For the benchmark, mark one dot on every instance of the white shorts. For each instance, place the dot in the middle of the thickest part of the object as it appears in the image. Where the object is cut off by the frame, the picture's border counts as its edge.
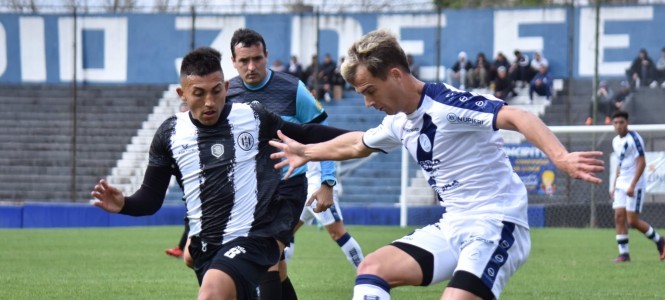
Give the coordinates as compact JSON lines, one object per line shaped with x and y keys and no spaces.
{"x":490,"y":249}
{"x":632,"y":204}
{"x":325,"y":218}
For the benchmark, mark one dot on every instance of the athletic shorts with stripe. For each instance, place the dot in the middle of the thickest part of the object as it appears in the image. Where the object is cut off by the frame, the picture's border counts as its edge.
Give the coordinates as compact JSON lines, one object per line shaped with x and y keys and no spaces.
{"x":632,"y":204}
{"x":490,"y":249}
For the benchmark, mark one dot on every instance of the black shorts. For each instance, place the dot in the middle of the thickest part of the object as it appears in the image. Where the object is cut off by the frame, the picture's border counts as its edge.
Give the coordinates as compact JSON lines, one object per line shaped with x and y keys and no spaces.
{"x":293,"y":194}
{"x":244,"y":259}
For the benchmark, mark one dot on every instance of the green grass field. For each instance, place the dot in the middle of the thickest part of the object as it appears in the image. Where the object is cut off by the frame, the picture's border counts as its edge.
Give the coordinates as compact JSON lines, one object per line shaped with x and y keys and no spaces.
{"x":129,"y":263}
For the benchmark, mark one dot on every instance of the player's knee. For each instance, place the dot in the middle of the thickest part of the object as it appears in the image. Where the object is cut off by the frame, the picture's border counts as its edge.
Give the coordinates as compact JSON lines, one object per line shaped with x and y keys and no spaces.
{"x":336,"y":234}
{"x":336,"y":230}
{"x":619,"y":217}
{"x":370,"y":265}
{"x":633,"y":220}
{"x":189,"y":262}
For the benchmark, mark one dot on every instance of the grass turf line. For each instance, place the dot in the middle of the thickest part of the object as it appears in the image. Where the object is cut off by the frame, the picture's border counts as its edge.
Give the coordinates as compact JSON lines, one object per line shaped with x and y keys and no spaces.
{"x":129,"y":263}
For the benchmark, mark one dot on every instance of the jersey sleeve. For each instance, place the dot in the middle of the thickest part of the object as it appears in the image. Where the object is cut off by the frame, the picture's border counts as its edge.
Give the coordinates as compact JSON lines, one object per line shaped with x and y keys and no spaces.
{"x":328,"y":169}
{"x":160,"y":153}
{"x":639,"y":143}
{"x":308,"y":109}
{"x":383,"y":137}
{"x":270,"y":121}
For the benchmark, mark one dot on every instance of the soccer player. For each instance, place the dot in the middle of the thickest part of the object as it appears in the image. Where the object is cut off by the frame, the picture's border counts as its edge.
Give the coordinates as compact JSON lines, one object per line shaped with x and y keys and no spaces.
{"x":483,"y":236}
{"x":331,"y":219}
{"x":287,"y":96}
{"x":219,"y":151}
{"x":629,"y":187}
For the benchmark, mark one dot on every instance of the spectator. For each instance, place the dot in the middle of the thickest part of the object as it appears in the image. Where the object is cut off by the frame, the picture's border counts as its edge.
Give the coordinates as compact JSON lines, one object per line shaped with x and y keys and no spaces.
{"x":310,"y":74}
{"x":295,"y":68}
{"x":457,"y":74}
{"x":622,"y":97}
{"x":499,"y":61}
{"x":338,"y":82}
{"x":660,"y":69}
{"x":277,"y":66}
{"x":604,"y":103}
{"x":541,"y":84}
{"x":479,"y":74}
{"x":520,"y":70}
{"x":326,"y":73}
{"x":641,"y":70}
{"x":503,"y":85}
{"x":538,"y":60}
{"x":413,"y":66}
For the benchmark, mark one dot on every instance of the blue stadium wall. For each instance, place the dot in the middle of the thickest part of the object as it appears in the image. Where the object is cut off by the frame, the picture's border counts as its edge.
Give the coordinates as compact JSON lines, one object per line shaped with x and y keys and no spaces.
{"x":65,"y":215}
{"x":147,"y":48}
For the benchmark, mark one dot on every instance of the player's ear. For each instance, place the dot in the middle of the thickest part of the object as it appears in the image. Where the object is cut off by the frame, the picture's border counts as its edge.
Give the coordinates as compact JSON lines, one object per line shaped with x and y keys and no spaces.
{"x":395,"y":73}
{"x":226,"y":85}
{"x":181,"y":93}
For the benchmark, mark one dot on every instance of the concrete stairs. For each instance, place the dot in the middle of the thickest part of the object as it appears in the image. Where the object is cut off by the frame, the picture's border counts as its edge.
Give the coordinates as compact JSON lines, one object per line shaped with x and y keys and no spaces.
{"x":38,"y":150}
{"x":127,"y":175}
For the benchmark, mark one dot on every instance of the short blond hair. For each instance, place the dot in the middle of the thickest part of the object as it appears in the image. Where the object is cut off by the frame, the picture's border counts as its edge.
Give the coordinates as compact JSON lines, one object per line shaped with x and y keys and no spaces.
{"x":378,"y":51}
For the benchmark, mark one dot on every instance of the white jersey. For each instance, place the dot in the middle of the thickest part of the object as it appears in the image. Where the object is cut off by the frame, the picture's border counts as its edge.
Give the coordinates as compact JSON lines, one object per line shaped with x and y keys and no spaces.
{"x":628,"y":149}
{"x":453,"y":137}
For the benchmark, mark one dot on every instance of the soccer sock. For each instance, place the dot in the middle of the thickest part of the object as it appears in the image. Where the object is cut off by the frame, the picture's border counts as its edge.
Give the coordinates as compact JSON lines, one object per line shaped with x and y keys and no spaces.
{"x":351,"y":249}
{"x":652,"y":235}
{"x":371,"y":287}
{"x":183,"y":240}
{"x":288,"y":292}
{"x":270,"y":287}
{"x":622,"y":241}
{"x":288,"y":251}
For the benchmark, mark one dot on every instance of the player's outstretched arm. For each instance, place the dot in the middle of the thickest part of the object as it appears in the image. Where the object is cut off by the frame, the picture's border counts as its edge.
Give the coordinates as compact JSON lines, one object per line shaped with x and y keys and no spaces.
{"x":343,"y":147}
{"x":579,"y":165}
{"x":145,"y":201}
{"x":108,"y":197}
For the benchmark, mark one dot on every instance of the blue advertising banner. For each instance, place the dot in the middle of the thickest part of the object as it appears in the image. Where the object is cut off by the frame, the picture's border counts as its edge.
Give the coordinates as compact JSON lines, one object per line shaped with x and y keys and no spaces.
{"x":534,"y":168}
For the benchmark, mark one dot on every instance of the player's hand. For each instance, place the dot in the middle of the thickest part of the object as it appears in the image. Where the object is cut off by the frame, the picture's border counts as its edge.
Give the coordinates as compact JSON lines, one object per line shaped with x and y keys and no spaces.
{"x":582,"y":165}
{"x":292,"y":152}
{"x":323,"y":197}
{"x":108,"y":198}
{"x":631,"y":191}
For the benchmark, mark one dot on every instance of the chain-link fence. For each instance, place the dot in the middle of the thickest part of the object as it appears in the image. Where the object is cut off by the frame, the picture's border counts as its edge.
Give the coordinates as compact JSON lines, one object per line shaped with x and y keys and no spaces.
{"x":576,"y":203}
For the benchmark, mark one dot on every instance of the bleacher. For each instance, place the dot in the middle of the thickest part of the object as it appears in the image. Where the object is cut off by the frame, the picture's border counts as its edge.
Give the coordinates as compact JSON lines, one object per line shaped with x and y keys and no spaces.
{"x":36,"y":142}
{"x":377,"y":180}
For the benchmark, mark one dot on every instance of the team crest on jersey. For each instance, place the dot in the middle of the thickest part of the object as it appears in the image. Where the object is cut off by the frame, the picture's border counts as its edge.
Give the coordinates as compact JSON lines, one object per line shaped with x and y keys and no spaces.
{"x":217,"y":150}
{"x":425,"y":143}
{"x":245,"y":141}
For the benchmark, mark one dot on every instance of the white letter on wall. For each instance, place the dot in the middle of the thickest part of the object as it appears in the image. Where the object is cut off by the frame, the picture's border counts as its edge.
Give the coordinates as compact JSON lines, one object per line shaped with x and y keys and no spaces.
{"x":303,"y":34}
{"x":33,"y":50}
{"x":395,"y":23}
{"x":606,"y":41}
{"x":3,"y":50}
{"x":115,"y":49}
{"x":506,"y":29}
{"x":226,"y":25}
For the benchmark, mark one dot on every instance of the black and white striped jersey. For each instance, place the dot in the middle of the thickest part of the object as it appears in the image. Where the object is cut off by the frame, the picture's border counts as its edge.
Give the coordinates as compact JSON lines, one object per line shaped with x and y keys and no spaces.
{"x":228,"y":178}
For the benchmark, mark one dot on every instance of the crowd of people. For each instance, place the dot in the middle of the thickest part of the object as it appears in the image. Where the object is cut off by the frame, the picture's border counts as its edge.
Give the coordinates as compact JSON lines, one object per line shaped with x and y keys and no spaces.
{"x":323,"y":79}
{"x":501,"y":76}
{"x":644,"y":72}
